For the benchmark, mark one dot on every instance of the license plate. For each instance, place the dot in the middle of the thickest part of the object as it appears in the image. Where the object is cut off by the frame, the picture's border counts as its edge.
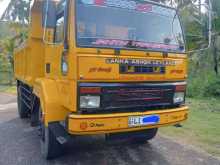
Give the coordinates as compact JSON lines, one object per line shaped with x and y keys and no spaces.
{"x":136,"y":121}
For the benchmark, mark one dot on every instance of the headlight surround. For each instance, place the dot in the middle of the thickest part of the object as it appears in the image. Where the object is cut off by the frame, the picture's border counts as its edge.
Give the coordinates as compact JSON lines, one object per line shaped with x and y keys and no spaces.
{"x":89,"y":102}
{"x":179,"y":97}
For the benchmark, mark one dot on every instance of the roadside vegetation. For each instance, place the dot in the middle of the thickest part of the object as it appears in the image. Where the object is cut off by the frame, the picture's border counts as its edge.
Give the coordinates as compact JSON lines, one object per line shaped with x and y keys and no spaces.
{"x":8,"y":89}
{"x":202,"y":128}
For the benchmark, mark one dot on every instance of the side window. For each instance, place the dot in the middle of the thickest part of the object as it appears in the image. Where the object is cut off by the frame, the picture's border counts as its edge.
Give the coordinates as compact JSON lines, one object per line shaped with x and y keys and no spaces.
{"x":59,"y":31}
{"x":53,"y":21}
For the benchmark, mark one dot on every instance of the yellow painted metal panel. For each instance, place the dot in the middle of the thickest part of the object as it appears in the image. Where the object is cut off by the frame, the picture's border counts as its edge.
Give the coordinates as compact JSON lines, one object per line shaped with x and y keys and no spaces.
{"x":92,"y":67}
{"x":48,"y":92}
{"x":36,"y":29}
{"x":67,"y":94}
{"x":95,"y":124}
{"x":53,"y":58}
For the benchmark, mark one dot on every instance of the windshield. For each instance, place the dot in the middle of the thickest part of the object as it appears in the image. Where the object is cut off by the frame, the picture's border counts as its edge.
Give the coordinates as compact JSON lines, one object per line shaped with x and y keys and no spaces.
{"x":128,"y":24}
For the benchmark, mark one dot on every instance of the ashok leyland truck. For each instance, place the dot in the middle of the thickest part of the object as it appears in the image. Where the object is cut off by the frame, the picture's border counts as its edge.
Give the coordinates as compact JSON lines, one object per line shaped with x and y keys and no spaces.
{"x":113,"y":67}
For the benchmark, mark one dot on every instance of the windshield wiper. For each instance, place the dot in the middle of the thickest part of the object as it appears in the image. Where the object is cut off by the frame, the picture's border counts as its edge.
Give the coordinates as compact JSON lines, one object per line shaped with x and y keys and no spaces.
{"x":131,"y":44}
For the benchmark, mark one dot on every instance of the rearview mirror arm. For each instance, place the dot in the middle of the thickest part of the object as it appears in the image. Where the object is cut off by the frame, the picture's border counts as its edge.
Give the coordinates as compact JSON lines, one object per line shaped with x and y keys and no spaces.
{"x":209,"y":30}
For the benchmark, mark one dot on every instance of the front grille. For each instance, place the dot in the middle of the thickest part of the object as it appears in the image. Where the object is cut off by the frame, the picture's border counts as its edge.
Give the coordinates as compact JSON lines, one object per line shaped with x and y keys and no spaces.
{"x":135,"y":97}
{"x":126,"y":69}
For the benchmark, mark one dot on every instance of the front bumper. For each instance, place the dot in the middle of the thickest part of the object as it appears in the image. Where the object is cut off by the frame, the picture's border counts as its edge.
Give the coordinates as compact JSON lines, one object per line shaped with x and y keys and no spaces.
{"x":113,"y":123}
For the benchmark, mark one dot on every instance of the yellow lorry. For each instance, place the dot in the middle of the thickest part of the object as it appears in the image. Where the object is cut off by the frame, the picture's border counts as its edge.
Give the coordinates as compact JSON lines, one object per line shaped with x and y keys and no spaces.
{"x":113,"y":67}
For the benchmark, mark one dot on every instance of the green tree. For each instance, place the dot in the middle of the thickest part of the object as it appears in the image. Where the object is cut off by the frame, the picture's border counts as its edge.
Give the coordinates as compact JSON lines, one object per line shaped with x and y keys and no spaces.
{"x":17,"y":14}
{"x":17,"y":10}
{"x":216,"y":34}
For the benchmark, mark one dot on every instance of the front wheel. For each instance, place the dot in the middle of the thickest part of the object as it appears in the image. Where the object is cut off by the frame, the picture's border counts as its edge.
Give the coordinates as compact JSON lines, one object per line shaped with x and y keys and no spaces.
{"x":50,"y":147}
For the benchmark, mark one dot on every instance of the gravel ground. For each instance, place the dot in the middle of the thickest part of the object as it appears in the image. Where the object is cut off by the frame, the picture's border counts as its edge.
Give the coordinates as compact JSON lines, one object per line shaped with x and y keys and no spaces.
{"x":20,"y":145}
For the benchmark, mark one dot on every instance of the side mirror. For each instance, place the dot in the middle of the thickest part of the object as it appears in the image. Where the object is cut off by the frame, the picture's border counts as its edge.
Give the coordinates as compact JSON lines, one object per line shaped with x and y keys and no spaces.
{"x":197,"y":24}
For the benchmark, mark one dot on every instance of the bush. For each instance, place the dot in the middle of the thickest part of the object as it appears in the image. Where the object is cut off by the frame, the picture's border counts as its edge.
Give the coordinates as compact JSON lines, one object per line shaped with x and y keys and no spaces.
{"x":213,"y":89}
{"x":195,"y":88}
{"x":204,"y":85}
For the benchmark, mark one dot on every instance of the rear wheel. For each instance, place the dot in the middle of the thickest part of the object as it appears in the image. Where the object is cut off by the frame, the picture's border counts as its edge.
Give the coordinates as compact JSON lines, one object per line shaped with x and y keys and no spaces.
{"x":35,"y":120}
{"x":22,"y":108}
{"x":50,"y":147}
{"x":147,"y":135}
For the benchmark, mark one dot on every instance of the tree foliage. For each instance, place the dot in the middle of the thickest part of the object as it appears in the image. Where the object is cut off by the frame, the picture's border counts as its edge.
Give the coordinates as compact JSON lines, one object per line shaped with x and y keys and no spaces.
{"x":17,"y":10}
{"x":190,"y":11}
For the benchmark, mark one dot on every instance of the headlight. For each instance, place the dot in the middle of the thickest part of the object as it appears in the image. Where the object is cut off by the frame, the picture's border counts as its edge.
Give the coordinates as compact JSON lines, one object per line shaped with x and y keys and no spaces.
{"x":179,"y":97}
{"x":89,"y":101}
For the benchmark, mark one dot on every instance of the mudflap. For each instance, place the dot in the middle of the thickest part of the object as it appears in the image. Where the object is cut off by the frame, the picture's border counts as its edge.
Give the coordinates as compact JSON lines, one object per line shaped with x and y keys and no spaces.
{"x":60,"y":133}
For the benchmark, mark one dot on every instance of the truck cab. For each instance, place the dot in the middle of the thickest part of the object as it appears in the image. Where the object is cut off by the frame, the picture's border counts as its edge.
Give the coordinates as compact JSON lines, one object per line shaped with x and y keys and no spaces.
{"x":109,"y":67}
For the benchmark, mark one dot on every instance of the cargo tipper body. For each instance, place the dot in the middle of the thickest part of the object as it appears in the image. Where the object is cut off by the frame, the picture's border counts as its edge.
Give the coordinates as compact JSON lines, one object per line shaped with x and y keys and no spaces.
{"x":109,"y":67}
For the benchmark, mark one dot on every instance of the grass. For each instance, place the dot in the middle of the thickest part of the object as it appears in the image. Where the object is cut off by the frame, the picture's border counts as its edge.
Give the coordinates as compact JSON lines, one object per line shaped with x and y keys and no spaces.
{"x":202,"y":129}
{"x":8,"y":89}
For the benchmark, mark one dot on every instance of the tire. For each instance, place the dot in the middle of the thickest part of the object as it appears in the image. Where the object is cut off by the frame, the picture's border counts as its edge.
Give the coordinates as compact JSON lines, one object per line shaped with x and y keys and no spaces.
{"x":23,"y":111}
{"x":50,"y":147}
{"x":147,"y":135}
{"x":35,"y":112}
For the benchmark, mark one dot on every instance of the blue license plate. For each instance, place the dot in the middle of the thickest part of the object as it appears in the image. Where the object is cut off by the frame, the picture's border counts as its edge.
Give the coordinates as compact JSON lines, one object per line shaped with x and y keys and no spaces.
{"x":135,"y":121}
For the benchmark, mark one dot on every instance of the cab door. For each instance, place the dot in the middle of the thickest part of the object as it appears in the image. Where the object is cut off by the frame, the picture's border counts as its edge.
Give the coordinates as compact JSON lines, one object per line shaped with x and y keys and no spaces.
{"x":54,"y":46}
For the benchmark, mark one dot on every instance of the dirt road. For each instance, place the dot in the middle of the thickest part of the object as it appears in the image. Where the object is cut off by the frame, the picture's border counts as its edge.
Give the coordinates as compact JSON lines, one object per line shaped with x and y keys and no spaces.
{"x":20,"y":145}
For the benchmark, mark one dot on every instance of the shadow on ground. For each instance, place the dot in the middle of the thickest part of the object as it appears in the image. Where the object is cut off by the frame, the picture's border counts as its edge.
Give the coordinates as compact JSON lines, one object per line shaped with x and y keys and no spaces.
{"x":22,"y":143}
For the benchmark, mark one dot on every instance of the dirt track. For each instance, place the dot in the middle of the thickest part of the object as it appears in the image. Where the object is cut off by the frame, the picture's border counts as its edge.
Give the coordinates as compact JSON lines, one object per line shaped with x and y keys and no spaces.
{"x":20,"y":145}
